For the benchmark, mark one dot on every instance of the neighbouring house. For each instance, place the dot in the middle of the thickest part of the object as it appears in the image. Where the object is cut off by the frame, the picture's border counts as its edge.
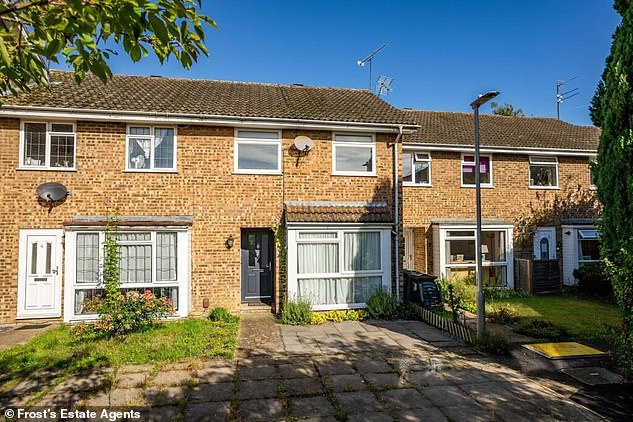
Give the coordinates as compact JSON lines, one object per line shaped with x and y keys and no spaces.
{"x":244,"y":194}
{"x":227,"y":194}
{"x":535,"y":172}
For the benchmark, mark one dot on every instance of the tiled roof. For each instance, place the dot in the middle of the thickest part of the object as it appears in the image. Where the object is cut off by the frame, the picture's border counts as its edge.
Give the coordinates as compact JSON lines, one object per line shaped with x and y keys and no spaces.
{"x":371,"y":212}
{"x":447,"y":128}
{"x":212,"y":98}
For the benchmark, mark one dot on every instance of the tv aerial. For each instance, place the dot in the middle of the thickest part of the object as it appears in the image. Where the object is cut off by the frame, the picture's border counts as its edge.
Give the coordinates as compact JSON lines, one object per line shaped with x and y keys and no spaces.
{"x":301,"y":146}
{"x":383,"y":86}
{"x":368,"y":59}
{"x":51,"y":194}
{"x":562,"y":96}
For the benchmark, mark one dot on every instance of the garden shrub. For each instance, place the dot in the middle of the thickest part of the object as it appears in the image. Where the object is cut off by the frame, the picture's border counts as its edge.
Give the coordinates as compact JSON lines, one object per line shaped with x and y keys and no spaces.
{"x":539,"y":328}
{"x":503,"y":293}
{"x":492,"y":342}
{"x":337,"y":316}
{"x":504,"y":314}
{"x":296,"y":312}
{"x":464,"y":292}
{"x":594,"y":280}
{"x":382,"y":305}
{"x":407,"y":310}
{"x":220,"y":314}
{"x":318,"y":318}
{"x":356,"y":315}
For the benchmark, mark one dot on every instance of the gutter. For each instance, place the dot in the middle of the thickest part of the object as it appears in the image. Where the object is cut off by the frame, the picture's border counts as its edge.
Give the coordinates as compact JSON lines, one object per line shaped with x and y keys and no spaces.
{"x":504,"y":150}
{"x":188,"y":118}
{"x":396,"y":203}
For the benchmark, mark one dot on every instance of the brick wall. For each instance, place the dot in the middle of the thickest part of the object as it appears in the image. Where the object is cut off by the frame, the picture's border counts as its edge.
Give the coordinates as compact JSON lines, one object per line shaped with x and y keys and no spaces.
{"x":221,"y":203}
{"x":509,"y":198}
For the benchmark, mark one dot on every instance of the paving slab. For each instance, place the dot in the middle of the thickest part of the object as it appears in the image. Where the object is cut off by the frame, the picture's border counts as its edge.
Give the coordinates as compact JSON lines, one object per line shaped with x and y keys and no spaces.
{"x":216,"y":373}
{"x":261,"y":409}
{"x":444,"y":396}
{"x":256,"y":371}
{"x":358,"y":402}
{"x":297,"y":370}
{"x":370,"y":417}
{"x":414,"y":415}
{"x":345,"y":382}
{"x":372,"y":366}
{"x":303,"y":386}
{"x":405,"y":398}
{"x":316,"y":406}
{"x":258,"y":389}
{"x":385,"y":381}
{"x":334,"y":367}
{"x":161,"y":396}
{"x":161,"y":414}
{"x":172,"y":378}
{"x":208,"y":412}
{"x":224,"y":391}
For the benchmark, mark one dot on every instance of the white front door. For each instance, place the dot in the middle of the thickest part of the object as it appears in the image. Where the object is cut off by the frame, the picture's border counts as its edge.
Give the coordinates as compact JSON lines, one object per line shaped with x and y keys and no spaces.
{"x":545,"y":243}
{"x":39,"y":274}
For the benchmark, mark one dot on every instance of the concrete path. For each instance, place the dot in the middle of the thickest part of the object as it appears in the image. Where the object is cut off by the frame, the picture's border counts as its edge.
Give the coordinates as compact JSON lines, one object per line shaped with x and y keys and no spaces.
{"x":400,"y":371}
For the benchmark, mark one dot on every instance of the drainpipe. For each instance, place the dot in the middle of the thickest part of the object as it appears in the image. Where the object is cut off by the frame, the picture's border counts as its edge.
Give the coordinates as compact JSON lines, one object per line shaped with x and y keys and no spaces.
{"x":396,"y":203}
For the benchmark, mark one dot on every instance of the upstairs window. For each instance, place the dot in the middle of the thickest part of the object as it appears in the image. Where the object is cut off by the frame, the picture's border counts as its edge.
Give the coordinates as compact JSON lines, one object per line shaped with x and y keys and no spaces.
{"x":416,"y":168}
{"x":543,"y":172}
{"x":48,"y":146}
{"x":151,"y":148}
{"x":468,"y":170}
{"x":257,"y":152}
{"x":354,"y":155}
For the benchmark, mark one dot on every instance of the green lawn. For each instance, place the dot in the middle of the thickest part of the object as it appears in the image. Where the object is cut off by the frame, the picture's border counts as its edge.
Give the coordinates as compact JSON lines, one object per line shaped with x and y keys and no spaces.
{"x":62,"y":351}
{"x":582,"y":318}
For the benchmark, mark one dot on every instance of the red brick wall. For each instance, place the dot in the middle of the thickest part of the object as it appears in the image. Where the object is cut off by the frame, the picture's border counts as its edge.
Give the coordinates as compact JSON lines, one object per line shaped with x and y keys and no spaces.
{"x":221,"y":203}
{"x":509,"y":198}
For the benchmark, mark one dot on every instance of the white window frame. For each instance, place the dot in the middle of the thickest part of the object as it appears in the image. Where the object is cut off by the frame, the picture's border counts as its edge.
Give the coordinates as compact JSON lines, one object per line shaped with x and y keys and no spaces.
{"x":49,"y":133}
{"x":472,"y":163}
{"x":593,"y":161}
{"x":415,"y":159}
{"x":534,"y":160}
{"x":254,"y":141}
{"x":364,"y":144}
{"x":508,"y":263}
{"x":385,"y":259}
{"x":183,"y":268}
{"x":580,"y":235}
{"x":152,"y":138}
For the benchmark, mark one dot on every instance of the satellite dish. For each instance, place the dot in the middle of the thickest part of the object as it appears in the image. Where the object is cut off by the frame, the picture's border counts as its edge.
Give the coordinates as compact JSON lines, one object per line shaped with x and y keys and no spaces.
{"x":52,"y":192}
{"x":303,"y":143}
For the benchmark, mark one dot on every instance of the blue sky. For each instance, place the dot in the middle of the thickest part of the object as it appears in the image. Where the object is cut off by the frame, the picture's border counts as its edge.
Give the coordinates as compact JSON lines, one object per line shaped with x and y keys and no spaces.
{"x":440,"y":53}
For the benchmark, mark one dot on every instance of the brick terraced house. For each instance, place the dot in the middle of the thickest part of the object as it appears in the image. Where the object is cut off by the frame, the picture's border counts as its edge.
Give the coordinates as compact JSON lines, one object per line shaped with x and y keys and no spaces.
{"x":241,"y":194}
{"x":204,"y":177}
{"x":524,"y":161}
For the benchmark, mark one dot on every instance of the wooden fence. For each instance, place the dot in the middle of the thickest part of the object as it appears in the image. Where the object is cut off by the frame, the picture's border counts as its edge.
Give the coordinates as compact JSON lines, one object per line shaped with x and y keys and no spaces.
{"x":537,"y":276}
{"x":454,"y":328}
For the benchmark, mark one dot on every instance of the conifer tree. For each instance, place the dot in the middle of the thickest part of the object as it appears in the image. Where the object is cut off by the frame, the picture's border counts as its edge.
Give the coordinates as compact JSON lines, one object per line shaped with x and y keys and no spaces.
{"x":614,"y":111}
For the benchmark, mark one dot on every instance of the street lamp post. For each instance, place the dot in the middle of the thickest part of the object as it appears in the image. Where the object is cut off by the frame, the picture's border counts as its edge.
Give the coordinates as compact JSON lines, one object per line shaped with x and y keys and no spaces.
{"x":481,"y":319}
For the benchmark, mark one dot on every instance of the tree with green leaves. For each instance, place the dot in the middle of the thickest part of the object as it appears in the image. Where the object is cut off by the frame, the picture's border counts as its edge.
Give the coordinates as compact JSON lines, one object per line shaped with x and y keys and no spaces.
{"x":85,"y":33}
{"x":505,"y":110}
{"x":613,"y":111}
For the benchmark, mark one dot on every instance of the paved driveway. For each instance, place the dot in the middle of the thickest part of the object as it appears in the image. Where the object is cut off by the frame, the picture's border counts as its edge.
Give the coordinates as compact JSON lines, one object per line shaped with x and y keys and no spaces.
{"x":401,"y":371}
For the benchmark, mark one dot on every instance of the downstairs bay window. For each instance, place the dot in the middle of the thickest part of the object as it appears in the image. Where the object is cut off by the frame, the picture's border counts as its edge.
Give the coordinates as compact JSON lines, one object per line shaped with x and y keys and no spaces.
{"x":338,"y":268}
{"x":157,"y":261}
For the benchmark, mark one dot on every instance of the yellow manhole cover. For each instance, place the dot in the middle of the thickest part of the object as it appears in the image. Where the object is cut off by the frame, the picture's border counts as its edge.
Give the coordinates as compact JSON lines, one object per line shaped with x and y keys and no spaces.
{"x":565,"y":350}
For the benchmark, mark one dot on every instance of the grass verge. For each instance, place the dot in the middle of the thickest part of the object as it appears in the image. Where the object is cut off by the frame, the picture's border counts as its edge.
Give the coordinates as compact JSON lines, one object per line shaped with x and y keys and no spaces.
{"x":61,"y":351}
{"x":581,"y":318}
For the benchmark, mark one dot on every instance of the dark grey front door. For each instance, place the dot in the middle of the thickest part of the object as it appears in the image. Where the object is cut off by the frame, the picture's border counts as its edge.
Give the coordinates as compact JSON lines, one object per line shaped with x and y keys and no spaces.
{"x":258,"y":260}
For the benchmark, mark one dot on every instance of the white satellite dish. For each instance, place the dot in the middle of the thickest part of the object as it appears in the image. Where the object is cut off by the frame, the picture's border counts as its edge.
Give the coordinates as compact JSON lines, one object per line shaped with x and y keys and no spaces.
{"x":303,"y":143}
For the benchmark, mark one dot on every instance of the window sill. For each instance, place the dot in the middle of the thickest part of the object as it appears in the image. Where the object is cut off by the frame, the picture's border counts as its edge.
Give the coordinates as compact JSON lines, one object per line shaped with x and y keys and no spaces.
{"x":354,"y":174}
{"x":150,"y":171}
{"x":416,"y":185}
{"x":545,"y":187}
{"x":264,"y":173}
{"x":66,"y":169}
{"x":482,"y":186}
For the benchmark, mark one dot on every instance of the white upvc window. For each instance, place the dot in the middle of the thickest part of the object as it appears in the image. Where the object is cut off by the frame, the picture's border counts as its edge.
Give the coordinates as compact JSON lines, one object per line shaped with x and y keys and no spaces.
{"x":458,"y":258}
{"x":150,"y":148}
{"x":468,"y":170}
{"x":257,"y":152}
{"x":48,"y":145}
{"x":154,"y":260}
{"x":353,"y":155}
{"x":416,"y":168}
{"x":338,"y":268}
{"x":544,"y":172}
{"x":592,"y":172}
{"x":588,"y":246}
